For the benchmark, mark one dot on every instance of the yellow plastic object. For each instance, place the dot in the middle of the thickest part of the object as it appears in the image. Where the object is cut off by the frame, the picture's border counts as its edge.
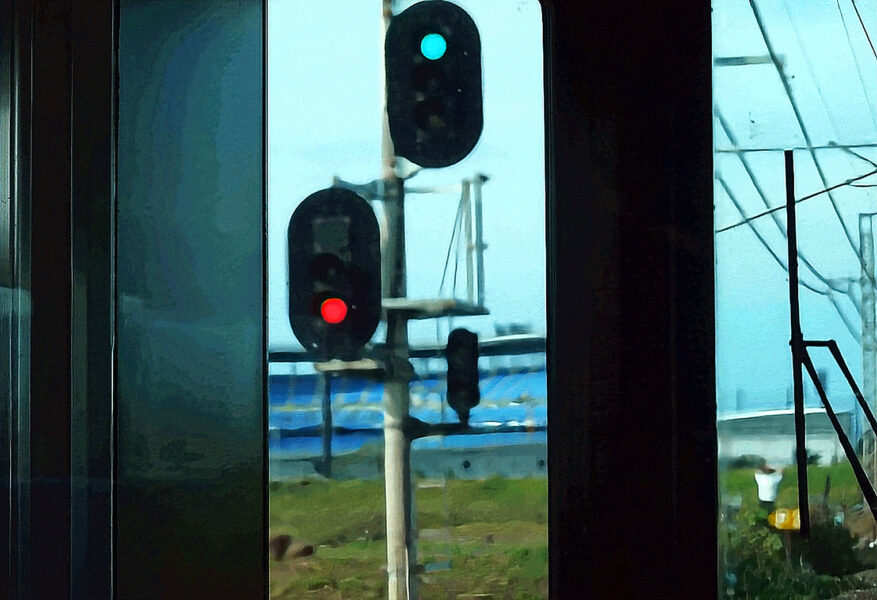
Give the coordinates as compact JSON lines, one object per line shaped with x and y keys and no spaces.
{"x":785,"y":518}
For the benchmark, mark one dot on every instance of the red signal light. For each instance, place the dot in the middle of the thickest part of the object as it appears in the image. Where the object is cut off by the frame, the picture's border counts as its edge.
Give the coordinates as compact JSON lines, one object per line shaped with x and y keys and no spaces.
{"x":333,"y":310}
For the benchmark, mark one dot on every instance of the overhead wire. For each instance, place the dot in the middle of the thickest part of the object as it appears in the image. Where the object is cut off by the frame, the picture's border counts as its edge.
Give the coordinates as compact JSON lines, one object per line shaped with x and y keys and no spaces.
{"x":856,"y":154}
{"x":809,"y":142}
{"x":758,"y":235}
{"x":463,"y":207}
{"x":827,"y":189}
{"x":830,"y":116}
{"x":830,"y":145}
{"x":454,"y":235}
{"x":787,"y":87}
{"x":855,"y":56}
{"x":771,"y":211}
{"x":865,"y":29}
{"x":849,"y":182}
{"x":827,"y":293}
{"x":819,"y":88}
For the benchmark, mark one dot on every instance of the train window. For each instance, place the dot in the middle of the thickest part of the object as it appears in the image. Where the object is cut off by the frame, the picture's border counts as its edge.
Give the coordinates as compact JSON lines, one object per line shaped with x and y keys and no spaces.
{"x":407,"y":402}
{"x":189,"y":300}
{"x":795,"y":174}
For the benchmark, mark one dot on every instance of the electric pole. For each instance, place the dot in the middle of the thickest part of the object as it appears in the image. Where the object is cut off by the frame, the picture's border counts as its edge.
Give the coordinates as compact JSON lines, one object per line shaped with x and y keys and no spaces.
{"x":433,"y":117}
{"x":401,"y":549}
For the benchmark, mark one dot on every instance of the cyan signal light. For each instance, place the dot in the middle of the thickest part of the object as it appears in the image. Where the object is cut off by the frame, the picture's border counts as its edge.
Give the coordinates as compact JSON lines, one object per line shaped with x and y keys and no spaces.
{"x":433,"y":46}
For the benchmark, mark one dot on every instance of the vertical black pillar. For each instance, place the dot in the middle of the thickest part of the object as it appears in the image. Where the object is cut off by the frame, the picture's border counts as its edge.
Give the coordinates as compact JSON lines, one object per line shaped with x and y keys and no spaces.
{"x":632,"y":447}
{"x":797,"y":343}
{"x":47,"y":563}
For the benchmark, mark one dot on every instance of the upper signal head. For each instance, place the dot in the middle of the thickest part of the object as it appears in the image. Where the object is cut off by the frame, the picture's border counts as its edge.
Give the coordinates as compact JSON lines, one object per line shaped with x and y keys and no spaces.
{"x":434,"y":101}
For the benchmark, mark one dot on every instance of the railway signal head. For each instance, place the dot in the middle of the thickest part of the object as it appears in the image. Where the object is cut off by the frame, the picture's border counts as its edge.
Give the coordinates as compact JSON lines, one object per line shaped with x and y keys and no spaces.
{"x":433,"y":73}
{"x":462,"y":356}
{"x":334,"y":274}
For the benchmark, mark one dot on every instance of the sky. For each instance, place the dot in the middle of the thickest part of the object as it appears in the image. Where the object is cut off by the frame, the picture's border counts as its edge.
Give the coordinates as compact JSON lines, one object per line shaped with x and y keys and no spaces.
{"x":325,"y":101}
{"x":829,"y":66}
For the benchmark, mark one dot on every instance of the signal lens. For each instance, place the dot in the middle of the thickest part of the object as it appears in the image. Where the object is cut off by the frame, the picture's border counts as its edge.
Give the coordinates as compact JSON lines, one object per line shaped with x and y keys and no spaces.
{"x":333,"y":310}
{"x":433,"y":46}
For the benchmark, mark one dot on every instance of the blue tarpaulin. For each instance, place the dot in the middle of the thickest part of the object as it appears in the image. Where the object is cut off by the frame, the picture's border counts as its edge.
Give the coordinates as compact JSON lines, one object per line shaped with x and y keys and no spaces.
{"x":508,"y":396}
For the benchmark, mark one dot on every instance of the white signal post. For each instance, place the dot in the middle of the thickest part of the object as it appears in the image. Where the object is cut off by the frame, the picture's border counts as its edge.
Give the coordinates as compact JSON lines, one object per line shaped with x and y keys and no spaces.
{"x":402,"y":566}
{"x":401,"y":546}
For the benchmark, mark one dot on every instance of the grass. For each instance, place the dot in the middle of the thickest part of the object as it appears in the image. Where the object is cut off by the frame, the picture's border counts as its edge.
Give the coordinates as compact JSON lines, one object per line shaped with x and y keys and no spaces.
{"x":844,"y":488}
{"x":754,"y":554}
{"x":494,"y":532}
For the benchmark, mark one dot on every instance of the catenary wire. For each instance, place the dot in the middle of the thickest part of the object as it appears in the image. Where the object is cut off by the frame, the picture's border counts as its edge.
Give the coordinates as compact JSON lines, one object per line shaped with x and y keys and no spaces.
{"x":749,"y":171}
{"x":865,"y":29}
{"x":827,"y":293}
{"x":849,"y":182}
{"x":787,"y":87}
{"x":855,"y":56}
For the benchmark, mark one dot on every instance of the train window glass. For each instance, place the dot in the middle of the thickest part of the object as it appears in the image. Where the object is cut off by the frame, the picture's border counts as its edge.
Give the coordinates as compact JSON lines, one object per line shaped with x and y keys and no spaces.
{"x":795,"y":174}
{"x":387,"y":471}
{"x":189,"y":284}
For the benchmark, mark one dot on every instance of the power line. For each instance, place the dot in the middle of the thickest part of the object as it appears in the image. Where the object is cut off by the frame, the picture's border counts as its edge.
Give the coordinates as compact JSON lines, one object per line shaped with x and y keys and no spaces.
{"x":865,"y":29}
{"x":788,"y":89}
{"x":857,"y":155}
{"x":799,"y":200}
{"x":806,"y":56}
{"x":819,"y":88}
{"x":829,"y":146}
{"x":827,"y":293}
{"x":800,"y":119}
{"x":744,"y":160}
{"x":758,"y":235}
{"x":855,"y":56}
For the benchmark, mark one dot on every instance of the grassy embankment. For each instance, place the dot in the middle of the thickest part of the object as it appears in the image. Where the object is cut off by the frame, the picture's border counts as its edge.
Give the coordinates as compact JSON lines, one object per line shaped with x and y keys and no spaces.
{"x":844,"y":488}
{"x":493,"y":531}
{"x":758,"y":563}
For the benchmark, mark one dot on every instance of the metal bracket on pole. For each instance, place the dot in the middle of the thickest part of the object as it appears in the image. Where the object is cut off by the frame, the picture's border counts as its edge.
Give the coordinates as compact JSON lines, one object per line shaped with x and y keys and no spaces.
{"x":465,"y":199}
{"x":477,"y":182}
{"x":858,"y":470}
